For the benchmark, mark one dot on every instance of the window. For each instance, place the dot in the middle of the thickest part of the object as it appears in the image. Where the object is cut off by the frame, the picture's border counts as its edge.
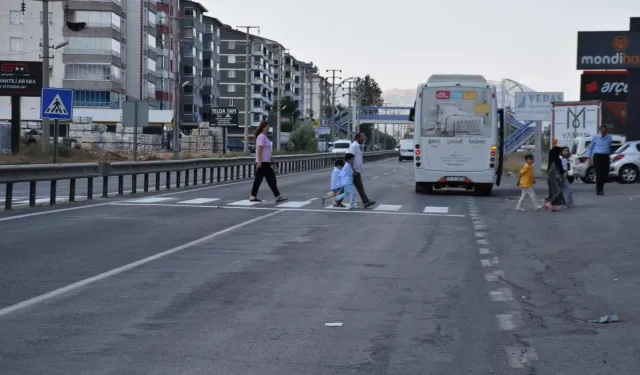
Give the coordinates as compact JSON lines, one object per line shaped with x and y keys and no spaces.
{"x":231,"y":102}
{"x":98,"y":19}
{"x":161,"y":18}
{"x":231,"y":73}
{"x":231,"y":59}
{"x":257,"y":103}
{"x":93,"y":45}
{"x":208,"y":46}
{"x":189,"y":12}
{"x":50,"y":18}
{"x":207,"y":63}
{"x":163,"y":84}
{"x":91,"y":72}
{"x":218,"y":33}
{"x":88,"y":98}
{"x":206,"y":99}
{"x":17,"y":18}
{"x":208,"y":27}
{"x":232,"y":44}
{"x":162,"y":63}
{"x":256,"y":117}
{"x":232,"y":88}
{"x":151,"y":40}
{"x":151,"y":64}
{"x":188,"y":32}
{"x":151,"y":89}
{"x":152,"y":19}
{"x":189,"y":70}
{"x":188,"y":90}
{"x":218,"y":49}
{"x":207,"y":81}
{"x":16,"y":44}
{"x":188,"y":109}
{"x":287,"y":87}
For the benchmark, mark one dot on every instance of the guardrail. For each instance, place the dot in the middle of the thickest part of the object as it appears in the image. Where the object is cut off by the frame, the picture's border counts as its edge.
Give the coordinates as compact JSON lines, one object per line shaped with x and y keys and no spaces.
{"x":220,"y":170}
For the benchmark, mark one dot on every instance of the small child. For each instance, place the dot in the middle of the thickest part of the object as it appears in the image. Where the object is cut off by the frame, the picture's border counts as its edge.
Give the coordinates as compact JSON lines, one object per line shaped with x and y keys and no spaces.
{"x":346,"y":180}
{"x":526,"y":182}
{"x":336,"y":187}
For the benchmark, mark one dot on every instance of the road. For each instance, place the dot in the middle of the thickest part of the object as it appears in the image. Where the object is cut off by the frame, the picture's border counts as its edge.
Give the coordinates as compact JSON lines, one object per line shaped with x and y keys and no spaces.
{"x":199,"y":281}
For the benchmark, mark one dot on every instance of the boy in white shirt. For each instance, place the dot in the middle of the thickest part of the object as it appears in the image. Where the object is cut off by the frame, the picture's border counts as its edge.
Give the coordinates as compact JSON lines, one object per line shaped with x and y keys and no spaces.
{"x":336,"y":186}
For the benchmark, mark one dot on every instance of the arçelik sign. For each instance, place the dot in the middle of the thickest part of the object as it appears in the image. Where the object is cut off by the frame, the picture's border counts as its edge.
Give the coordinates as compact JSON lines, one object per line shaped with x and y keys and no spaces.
{"x":604,"y":85}
{"x":608,"y":50}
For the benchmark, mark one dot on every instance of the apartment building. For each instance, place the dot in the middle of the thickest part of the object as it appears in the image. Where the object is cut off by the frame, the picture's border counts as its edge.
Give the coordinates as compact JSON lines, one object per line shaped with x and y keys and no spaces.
{"x":211,"y":65}
{"x":233,"y":67}
{"x":166,"y":50}
{"x":293,"y":81}
{"x":111,"y":52}
{"x":317,"y":93}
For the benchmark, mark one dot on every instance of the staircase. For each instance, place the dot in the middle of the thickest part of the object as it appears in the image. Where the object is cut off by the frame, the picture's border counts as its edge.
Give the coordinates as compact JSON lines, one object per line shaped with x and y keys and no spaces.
{"x":523,"y":133}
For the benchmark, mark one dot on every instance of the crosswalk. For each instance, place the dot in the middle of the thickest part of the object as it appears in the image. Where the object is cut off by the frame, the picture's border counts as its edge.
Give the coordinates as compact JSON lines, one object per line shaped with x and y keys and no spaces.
{"x":24,"y":201}
{"x":312,"y":203}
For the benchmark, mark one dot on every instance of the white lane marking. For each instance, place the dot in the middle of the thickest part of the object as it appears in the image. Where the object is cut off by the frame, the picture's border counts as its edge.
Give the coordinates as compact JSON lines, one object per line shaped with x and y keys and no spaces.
{"x":199,"y":201}
{"x":244,"y":202}
{"x":375,"y":177}
{"x":294,"y":204}
{"x":217,"y":186}
{"x":493,"y":262}
{"x":388,"y":207}
{"x":481,"y":234}
{"x":436,"y":210}
{"x":501,"y":295}
{"x":508,"y":321}
{"x":484,"y":251}
{"x":483,"y":242}
{"x":479,"y":227}
{"x":326,"y":209}
{"x":116,"y":271}
{"x":150,"y":200}
{"x":520,"y":357}
{"x":494,"y":276}
{"x":331,"y":207}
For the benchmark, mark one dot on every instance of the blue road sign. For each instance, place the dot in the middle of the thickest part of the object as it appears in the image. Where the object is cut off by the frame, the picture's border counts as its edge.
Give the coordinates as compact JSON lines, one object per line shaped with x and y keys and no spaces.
{"x":56,"y":104}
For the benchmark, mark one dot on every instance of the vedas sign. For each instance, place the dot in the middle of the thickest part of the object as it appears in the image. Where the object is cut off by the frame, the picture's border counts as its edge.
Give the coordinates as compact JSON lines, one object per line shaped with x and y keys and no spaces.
{"x":536,"y":106}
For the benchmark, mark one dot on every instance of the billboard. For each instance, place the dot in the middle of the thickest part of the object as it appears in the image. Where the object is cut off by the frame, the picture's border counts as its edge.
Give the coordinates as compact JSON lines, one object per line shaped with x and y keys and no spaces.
{"x":608,"y":50}
{"x":20,"y":78}
{"x":604,"y":85}
{"x":536,"y":106}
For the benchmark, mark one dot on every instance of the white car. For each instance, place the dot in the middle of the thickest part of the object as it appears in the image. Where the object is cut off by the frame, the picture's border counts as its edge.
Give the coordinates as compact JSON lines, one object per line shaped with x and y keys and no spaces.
{"x":580,"y":165}
{"x":406,"y":150}
{"x":625,"y":163}
{"x":340,"y":147}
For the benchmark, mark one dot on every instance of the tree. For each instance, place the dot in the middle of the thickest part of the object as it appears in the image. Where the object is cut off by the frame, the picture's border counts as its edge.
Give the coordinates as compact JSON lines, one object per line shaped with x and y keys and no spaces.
{"x":288,"y":108}
{"x":370,"y":95}
{"x":303,"y":137}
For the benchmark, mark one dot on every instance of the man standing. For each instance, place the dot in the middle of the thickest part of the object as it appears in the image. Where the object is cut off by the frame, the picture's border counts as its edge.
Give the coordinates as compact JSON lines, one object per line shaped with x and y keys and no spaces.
{"x":599,"y":152}
{"x":357,"y":171}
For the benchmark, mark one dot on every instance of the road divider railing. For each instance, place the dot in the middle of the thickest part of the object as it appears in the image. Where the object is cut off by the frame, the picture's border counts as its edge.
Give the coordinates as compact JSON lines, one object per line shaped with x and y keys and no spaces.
{"x":191,"y":171}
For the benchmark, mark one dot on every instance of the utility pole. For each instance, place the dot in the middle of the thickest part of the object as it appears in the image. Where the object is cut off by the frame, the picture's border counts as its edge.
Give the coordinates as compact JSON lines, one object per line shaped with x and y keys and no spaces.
{"x":311,"y":111}
{"x":247,"y":87}
{"x":351,"y":112}
{"x":281,"y":51}
{"x":333,"y":97}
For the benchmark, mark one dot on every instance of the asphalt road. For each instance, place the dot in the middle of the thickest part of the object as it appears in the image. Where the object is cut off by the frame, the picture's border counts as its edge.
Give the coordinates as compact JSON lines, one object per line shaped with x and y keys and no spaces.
{"x":199,"y":282}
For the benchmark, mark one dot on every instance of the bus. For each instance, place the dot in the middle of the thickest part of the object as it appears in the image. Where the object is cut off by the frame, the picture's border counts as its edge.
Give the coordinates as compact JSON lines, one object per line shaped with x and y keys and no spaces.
{"x":458,"y":138}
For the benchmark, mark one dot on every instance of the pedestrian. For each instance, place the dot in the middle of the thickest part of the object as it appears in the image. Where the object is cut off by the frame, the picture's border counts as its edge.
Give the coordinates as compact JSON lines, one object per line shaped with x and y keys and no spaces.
{"x":567,"y":180}
{"x":336,"y":186}
{"x":526,"y":182}
{"x":599,"y":151}
{"x":357,"y":170}
{"x":264,"y":168}
{"x":554,"y":180}
{"x":346,"y":180}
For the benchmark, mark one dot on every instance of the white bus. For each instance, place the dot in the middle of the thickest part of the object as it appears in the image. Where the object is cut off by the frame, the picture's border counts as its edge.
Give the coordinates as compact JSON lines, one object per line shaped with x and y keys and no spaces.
{"x":458,"y":134}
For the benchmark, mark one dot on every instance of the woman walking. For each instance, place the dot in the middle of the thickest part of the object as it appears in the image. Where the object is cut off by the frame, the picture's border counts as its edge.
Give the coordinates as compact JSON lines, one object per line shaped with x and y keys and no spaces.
{"x":264,"y":169}
{"x":554,"y":180}
{"x":566,"y":179}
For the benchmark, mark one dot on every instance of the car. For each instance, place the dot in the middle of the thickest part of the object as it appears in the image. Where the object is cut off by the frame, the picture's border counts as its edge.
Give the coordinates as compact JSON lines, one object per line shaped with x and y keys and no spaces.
{"x":625,"y":163}
{"x":340,"y":147}
{"x":236,"y":145}
{"x":579,"y":161}
{"x":406,"y":150}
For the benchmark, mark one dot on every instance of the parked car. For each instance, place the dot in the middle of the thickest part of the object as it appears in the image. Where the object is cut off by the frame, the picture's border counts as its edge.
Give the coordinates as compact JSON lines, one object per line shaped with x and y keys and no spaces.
{"x":340,"y":147}
{"x":580,"y":165}
{"x":236,"y":145}
{"x":625,"y":163}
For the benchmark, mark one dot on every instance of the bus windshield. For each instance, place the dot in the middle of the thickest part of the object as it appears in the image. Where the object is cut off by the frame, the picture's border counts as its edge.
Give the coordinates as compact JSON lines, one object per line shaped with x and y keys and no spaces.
{"x":456,"y":112}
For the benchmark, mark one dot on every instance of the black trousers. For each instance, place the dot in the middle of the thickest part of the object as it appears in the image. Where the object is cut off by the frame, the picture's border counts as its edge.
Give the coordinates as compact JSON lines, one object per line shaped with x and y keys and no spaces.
{"x":601,"y":164}
{"x":265,"y":172}
{"x":357,"y":182}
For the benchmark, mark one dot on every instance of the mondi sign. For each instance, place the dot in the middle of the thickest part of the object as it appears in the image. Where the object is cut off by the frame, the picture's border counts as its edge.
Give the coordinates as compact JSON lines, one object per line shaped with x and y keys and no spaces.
{"x":608,"y":50}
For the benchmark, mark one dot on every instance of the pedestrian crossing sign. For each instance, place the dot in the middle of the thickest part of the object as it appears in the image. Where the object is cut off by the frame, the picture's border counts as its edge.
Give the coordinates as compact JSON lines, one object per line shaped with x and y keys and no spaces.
{"x":56,"y":104}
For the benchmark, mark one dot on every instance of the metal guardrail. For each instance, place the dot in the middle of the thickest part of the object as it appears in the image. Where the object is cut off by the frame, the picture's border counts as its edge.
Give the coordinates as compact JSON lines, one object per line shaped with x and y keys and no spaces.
{"x":220,"y":170}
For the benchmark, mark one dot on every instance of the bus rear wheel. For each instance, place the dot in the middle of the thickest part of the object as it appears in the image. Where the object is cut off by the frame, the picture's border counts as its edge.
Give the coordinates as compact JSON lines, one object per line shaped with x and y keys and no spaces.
{"x":484,"y":190}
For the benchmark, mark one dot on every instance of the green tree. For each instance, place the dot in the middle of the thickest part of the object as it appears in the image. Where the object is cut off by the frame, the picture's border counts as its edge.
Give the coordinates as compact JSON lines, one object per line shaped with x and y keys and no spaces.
{"x":303,"y":137}
{"x":288,"y":108}
{"x":370,"y":95}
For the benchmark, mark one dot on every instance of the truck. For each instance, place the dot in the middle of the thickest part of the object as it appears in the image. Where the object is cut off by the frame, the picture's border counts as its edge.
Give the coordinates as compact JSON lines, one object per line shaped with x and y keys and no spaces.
{"x":571,"y":120}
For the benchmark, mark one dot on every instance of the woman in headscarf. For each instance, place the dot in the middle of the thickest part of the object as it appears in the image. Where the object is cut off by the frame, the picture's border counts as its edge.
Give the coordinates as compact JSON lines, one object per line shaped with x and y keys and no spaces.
{"x":555,"y":173}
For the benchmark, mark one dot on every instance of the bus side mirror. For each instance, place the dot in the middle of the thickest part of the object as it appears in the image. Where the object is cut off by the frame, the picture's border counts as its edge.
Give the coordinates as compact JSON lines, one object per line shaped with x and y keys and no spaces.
{"x":412,"y":114}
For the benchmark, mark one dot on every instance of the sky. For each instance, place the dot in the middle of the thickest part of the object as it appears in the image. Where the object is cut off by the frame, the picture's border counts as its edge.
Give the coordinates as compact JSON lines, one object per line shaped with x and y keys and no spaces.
{"x":400,"y":43}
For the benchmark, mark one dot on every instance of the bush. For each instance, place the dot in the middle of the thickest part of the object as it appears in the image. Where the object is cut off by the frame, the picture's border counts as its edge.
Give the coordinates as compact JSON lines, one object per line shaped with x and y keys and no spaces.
{"x":303,"y":137}
{"x":64,"y":150}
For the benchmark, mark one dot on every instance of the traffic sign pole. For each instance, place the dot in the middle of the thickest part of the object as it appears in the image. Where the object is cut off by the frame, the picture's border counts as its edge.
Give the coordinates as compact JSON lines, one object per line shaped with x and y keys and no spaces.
{"x":55,"y":141}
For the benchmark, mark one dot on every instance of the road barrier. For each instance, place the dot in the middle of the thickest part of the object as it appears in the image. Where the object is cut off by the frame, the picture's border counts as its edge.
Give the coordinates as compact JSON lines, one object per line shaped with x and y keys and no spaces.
{"x":220,"y":170}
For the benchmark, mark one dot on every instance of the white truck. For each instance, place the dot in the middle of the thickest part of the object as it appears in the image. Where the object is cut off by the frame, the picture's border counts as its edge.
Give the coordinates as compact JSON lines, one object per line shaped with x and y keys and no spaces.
{"x":583,"y":119}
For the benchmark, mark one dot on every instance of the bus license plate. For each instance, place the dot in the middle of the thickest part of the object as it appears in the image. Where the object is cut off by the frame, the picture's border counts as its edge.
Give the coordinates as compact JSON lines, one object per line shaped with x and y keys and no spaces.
{"x":456,"y":179}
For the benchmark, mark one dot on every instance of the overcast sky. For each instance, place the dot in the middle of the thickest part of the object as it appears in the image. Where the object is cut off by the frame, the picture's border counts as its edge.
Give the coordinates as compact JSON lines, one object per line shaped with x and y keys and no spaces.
{"x":401,"y":42}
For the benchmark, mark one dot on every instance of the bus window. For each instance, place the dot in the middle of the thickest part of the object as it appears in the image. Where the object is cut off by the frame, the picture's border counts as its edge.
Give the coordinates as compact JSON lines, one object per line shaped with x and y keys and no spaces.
{"x":412,"y":112}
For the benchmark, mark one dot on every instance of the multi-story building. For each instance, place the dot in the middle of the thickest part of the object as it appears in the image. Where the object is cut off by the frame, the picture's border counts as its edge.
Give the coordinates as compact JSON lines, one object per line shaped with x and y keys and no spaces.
{"x":103,"y":38}
{"x":211,"y":65}
{"x":233,"y":68}
{"x":293,"y":81}
{"x":166,"y":42}
{"x":317,"y":93}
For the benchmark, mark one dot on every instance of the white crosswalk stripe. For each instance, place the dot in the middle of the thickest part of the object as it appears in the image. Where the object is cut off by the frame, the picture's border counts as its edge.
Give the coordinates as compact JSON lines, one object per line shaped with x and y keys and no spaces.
{"x":436,"y":210}
{"x":294,"y":204}
{"x":151,"y":200}
{"x":244,"y":202}
{"x":388,"y":207}
{"x":199,"y":201}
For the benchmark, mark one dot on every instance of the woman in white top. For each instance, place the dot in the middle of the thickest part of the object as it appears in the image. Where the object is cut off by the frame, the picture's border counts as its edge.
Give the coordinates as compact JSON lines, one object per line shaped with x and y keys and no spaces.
{"x":566,"y":179}
{"x":264,"y":169}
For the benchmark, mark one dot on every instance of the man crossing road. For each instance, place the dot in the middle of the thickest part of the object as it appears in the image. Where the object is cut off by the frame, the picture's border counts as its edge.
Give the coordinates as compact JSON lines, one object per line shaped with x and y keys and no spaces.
{"x":357,"y":173}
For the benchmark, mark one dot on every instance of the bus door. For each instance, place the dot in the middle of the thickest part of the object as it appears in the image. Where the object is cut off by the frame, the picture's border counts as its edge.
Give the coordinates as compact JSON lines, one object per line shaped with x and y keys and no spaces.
{"x":500,"y":150}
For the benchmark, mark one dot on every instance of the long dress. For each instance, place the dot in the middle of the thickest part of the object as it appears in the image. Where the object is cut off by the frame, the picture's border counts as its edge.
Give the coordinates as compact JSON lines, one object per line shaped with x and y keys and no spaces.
{"x":556,"y":197}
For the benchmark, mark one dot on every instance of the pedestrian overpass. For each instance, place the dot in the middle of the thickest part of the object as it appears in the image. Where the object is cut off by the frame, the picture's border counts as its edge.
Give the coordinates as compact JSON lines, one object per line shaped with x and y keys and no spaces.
{"x":517,"y":133}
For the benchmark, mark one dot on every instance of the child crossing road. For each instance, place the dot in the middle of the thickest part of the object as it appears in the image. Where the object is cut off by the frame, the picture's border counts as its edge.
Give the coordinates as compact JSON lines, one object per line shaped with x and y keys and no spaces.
{"x":346,"y":180}
{"x":336,"y":186}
